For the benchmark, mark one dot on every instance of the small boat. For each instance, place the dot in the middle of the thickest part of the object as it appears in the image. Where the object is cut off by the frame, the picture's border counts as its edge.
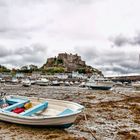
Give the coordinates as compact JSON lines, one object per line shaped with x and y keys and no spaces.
{"x":33,"y":82}
{"x":26,"y":83}
{"x":83,"y":84}
{"x":39,"y":111}
{"x":76,"y":82}
{"x":71,"y":83}
{"x":67,"y":83}
{"x":55,"y":83}
{"x":14,"y":81}
{"x":99,"y":83}
{"x":98,"y":87}
{"x":42,"y":82}
{"x":2,"y":80}
{"x":136,"y":85}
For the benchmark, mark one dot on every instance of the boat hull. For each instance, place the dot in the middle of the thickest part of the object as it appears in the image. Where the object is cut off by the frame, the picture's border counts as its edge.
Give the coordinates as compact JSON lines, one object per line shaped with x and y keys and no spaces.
{"x":51,"y":116}
{"x":26,"y":85}
{"x":54,"y":122}
{"x":42,"y":83}
{"x":101,"y":87}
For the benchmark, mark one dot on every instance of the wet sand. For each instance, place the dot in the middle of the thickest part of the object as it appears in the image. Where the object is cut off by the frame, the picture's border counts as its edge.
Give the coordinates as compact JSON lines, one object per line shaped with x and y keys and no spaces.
{"x":108,"y":115}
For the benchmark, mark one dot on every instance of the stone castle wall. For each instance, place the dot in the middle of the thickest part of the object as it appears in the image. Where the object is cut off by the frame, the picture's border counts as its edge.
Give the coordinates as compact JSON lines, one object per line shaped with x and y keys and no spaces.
{"x":70,"y":62}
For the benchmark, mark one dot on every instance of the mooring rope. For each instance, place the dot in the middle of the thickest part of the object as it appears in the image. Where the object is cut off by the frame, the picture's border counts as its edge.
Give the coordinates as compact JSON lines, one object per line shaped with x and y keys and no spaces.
{"x":89,"y":130}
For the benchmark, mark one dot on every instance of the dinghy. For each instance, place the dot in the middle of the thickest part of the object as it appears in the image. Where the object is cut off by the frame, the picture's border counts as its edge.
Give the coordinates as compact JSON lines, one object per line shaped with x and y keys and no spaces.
{"x":39,"y":111}
{"x":26,"y":83}
{"x":42,"y":82}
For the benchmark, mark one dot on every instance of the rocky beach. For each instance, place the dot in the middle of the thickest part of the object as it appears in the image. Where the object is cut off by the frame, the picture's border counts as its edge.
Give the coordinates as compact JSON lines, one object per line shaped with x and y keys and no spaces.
{"x":108,"y":115}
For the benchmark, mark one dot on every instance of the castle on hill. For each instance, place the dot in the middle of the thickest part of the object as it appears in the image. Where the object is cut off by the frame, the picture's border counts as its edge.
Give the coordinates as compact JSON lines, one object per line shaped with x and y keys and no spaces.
{"x":69,"y":62}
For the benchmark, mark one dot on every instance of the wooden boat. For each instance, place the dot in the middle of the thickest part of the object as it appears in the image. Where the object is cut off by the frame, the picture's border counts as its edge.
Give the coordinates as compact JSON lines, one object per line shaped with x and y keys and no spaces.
{"x":44,"y":112}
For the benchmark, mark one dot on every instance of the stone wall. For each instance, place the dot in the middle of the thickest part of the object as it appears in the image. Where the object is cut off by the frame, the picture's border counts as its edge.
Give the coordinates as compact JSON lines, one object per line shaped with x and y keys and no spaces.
{"x":71,"y":59}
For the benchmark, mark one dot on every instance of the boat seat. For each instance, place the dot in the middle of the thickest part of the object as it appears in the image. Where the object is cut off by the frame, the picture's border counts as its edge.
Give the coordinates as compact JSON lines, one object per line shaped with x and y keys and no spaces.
{"x":65,"y":112}
{"x":15,"y":100}
{"x":14,"y":106}
{"x":35,"y":109}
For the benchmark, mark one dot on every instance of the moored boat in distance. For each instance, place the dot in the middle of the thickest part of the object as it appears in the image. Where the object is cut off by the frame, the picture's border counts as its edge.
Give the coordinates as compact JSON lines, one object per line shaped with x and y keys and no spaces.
{"x":99,"y":83}
{"x":39,"y":111}
{"x":67,"y":83}
{"x":26,"y":83}
{"x":55,"y":83}
{"x":83,"y":84}
{"x":14,"y":81}
{"x":136,"y":85}
{"x":2,"y":80}
{"x":42,"y":82}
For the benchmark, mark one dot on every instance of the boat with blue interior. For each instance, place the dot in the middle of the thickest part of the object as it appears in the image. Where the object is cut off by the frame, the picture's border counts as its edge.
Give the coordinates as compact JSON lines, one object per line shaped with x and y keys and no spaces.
{"x":38,"y":111}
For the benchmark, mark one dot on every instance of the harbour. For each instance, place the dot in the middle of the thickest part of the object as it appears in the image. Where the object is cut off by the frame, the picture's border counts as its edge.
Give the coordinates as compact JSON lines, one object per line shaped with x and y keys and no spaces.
{"x":112,"y":114}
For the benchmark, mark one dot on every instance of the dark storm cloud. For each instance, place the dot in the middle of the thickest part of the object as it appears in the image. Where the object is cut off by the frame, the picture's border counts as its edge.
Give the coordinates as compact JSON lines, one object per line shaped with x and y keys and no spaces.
{"x":122,"y":40}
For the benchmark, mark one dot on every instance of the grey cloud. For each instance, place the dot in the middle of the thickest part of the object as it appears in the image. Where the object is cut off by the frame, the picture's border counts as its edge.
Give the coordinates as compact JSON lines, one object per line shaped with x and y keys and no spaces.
{"x":33,"y":54}
{"x":4,"y":51}
{"x":120,"y":70}
{"x":18,"y":21}
{"x":136,"y":39}
{"x":2,"y":3}
{"x":32,"y":16}
{"x":88,"y":52}
{"x":114,"y":60}
{"x":121,"y":40}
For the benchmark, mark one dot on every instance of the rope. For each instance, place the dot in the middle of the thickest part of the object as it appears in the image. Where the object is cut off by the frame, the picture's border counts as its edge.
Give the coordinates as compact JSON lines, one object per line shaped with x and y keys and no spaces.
{"x":88,"y":126}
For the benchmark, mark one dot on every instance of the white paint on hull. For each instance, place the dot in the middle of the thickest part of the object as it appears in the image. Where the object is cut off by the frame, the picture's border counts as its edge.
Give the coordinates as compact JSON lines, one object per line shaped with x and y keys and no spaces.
{"x":48,"y":117}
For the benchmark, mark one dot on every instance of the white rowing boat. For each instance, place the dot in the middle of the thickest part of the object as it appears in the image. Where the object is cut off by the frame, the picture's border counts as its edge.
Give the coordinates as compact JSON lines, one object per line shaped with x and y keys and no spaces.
{"x":46,"y":112}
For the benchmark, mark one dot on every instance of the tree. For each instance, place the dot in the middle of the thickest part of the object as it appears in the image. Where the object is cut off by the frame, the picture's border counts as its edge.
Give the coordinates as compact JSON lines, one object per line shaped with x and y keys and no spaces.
{"x":82,"y":70}
{"x":4,"y":69}
{"x":24,"y":68}
{"x":33,"y":67}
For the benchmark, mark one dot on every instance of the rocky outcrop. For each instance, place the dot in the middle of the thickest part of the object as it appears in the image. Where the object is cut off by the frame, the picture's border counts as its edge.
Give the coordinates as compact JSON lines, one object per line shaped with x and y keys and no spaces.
{"x":70,"y":63}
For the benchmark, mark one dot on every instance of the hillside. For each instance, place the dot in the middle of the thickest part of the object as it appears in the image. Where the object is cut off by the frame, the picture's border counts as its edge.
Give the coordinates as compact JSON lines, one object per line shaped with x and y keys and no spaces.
{"x":67,"y":63}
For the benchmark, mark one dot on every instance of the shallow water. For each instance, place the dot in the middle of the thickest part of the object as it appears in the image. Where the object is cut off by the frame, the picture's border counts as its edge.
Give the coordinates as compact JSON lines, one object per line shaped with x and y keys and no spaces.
{"x":108,"y":115}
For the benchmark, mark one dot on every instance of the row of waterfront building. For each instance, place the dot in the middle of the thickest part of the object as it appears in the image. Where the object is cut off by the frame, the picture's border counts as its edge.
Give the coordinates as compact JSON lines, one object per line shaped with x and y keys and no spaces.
{"x":37,"y":75}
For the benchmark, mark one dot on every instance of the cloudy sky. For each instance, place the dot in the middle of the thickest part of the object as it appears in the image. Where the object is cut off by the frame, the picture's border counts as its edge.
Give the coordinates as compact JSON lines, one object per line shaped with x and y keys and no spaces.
{"x":106,"y":33}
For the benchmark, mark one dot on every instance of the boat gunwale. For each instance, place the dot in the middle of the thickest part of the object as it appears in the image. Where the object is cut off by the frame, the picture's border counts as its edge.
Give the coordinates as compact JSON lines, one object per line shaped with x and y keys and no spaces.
{"x":38,"y":117}
{"x":11,"y":114}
